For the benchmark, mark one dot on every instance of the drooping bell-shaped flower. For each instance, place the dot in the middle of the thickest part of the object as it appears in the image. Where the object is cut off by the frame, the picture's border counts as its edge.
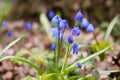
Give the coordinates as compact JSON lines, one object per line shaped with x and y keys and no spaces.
{"x":79,"y":65}
{"x":84,"y":23}
{"x":56,"y":20}
{"x":9,"y":34}
{"x":70,"y":39}
{"x":53,"y":47}
{"x":56,"y":33}
{"x":63,"y":24}
{"x":79,"y":16}
{"x":76,"y":31}
{"x":51,"y":14}
{"x":4,"y":24}
{"x":90,"y":28}
{"x":75,"y":49}
{"x":29,"y":26}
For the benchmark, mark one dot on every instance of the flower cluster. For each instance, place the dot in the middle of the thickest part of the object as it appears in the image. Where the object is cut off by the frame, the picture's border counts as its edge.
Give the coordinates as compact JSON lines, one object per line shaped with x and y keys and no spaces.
{"x":60,"y":25}
{"x":84,"y":23}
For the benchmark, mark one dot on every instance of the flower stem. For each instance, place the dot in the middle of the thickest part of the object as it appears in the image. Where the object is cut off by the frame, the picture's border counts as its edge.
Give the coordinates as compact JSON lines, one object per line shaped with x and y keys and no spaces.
{"x":58,"y":50}
{"x":54,"y":58}
{"x":95,"y":38}
{"x":65,"y":59}
{"x":73,"y":66}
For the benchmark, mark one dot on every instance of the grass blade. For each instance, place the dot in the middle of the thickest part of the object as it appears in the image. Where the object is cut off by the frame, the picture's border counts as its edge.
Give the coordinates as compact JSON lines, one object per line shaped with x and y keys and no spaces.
{"x":45,"y":23}
{"x":80,"y":77}
{"x":1,"y":20}
{"x":11,"y":44}
{"x":23,"y":60}
{"x":111,"y":71}
{"x":110,"y":27}
{"x":72,"y":67}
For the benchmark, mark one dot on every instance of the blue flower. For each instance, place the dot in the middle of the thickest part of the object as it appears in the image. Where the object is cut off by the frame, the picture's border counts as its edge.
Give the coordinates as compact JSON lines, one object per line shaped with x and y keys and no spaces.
{"x":51,"y":14}
{"x":79,"y":16}
{"x":56,"y":20}
{"x":90,"y":28}
{"x":55,"y":33}
{"x":70,"y":39}
{"x":76,"y":31}
{"x":53,"y":47}
{"x":63,"y":24}
{"x":9,"y":34}
{"x":75,"y":49}
{"x":79,"y":65}
{"x":29,"y":26}
{"x":84,"y":23}
{"x":4,"y":24}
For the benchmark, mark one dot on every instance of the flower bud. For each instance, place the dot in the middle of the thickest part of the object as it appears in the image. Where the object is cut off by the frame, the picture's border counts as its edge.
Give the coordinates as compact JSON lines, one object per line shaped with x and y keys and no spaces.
{"x":51,"y":14}
{"x":78,"y":16}
{"x":29,"y":26}
{"x":70,"y":39}
{"x":56,"y":20}
{"x":76,"y":31}
{"x":90,"y":28}
{"x":9,"y":34}
{"x":53,"y":47}
{"x":63,"y":24}
{"x":75,"y":49}
{"x":79,"y":65}
{"x":84,"y":23}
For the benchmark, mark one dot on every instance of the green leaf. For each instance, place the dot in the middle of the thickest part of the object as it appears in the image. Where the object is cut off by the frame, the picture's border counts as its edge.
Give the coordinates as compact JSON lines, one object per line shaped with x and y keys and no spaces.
{"x":41,"y":60}
{"x":40,"y":57}
{"x":29,"y":78}
{"x":104,"y":25}
{"x":73,"y":66}
{"x":99,"y":46}
{"x":110,"y":27}
{"x":51,"y":75}
{"x":24,"y":61}
{"x":110,"y":71}
{"x":90,"y":62}
{"x":95,"y":74}
{"x":10,"y":45}
{"x":45,"y":23}
{"x":1,"y":20}
{"x":80,"y":77}
{"x":22,"y":53}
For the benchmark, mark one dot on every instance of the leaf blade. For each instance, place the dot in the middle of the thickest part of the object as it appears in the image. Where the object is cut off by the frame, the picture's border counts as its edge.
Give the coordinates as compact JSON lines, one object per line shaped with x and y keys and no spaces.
{"x":110,"y":27}
{"x":11,"y":44}
{"x":23,"y":60}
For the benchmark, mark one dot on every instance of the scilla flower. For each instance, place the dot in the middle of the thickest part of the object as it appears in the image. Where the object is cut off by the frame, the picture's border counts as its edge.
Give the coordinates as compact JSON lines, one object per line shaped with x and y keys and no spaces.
{"x":78,"y":16}
{"x":79,"y":65}
{"x":4,"y":24}
{"x":9,"y":34}
{"x":55,"y":33}
{"x":70,"y":39}
{"x":51,"y":14}
{"x":84,"y":23}
{"x":63,"y":24}
{"x":75,"y":49}
{"x":76,"y":31}
{"x":56,"y":20}
{"x":29,"y":26}
{"x":90,"y":28}
{"x":53,"y":47}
